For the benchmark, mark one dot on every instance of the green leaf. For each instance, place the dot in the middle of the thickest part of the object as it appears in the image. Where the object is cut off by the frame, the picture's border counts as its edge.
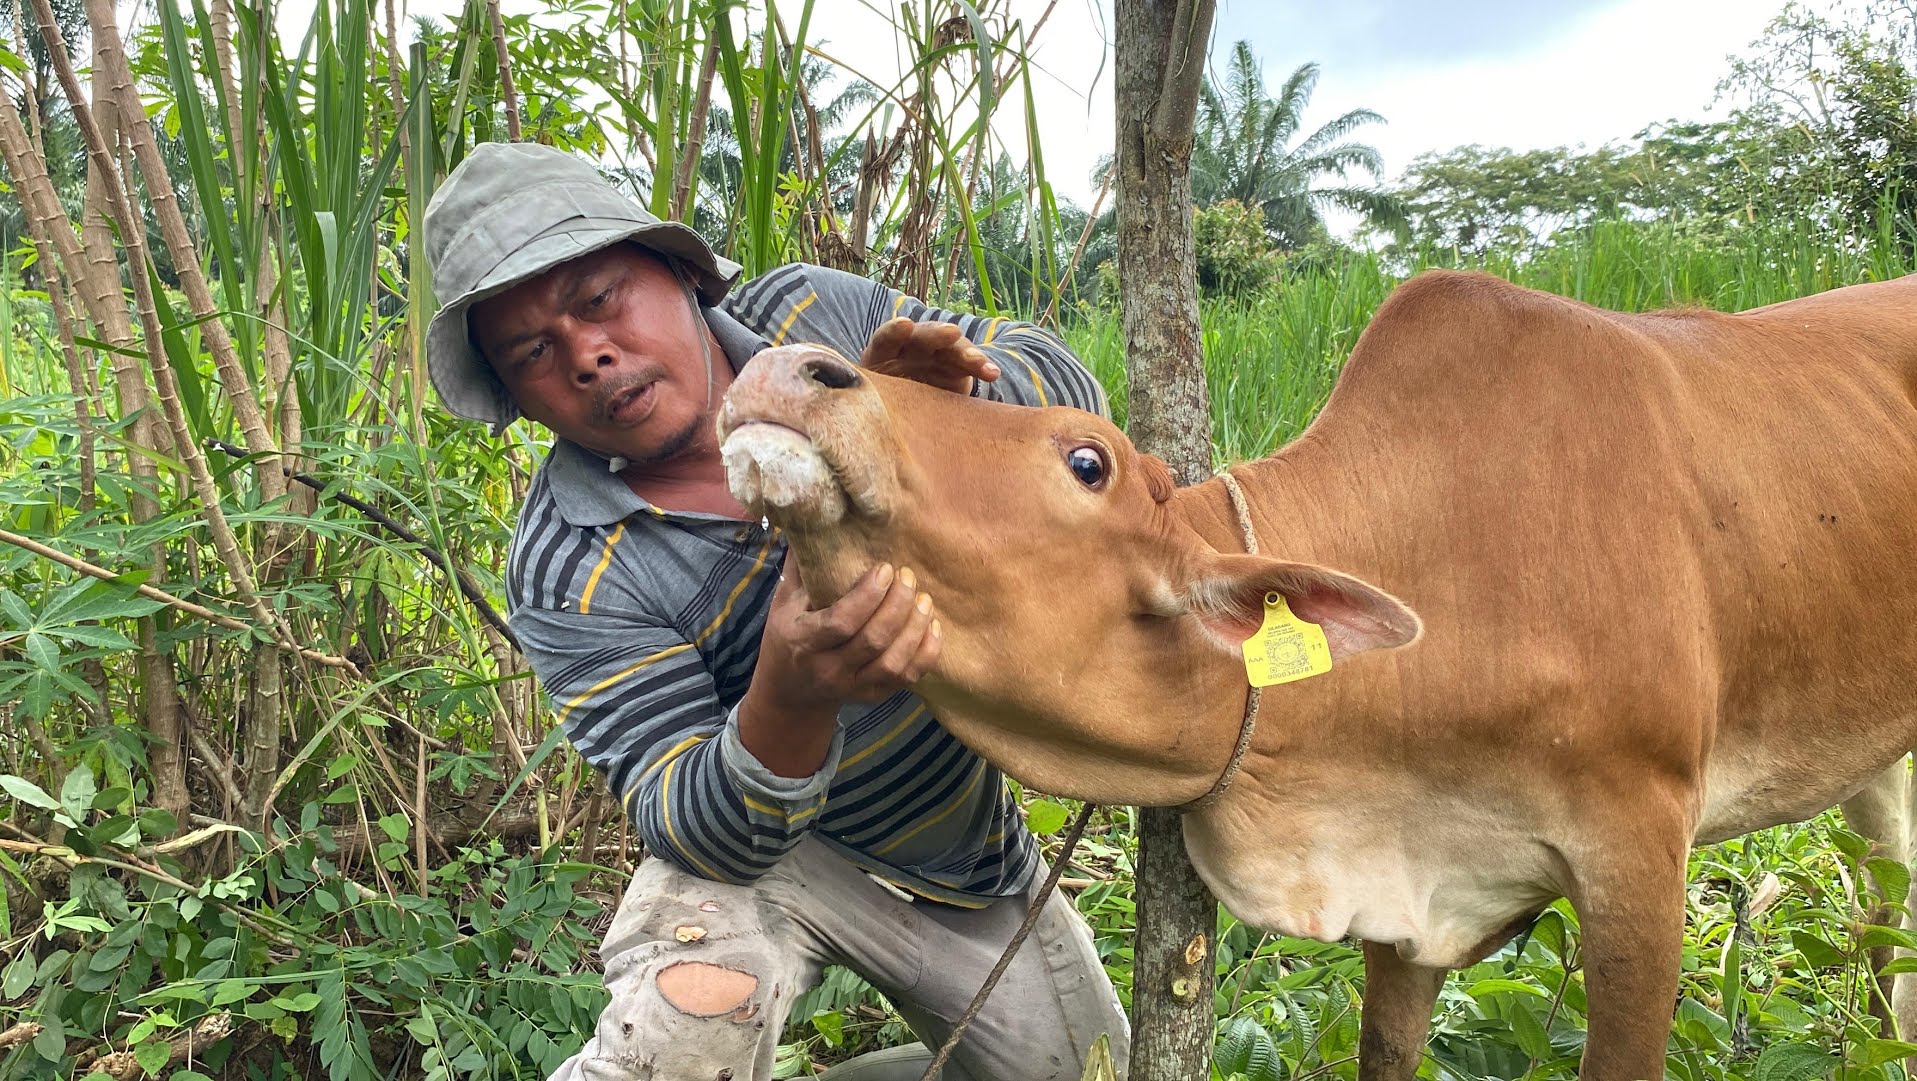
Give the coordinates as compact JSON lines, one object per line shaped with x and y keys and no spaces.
{"x":1851,"y":844}
{"x":1045,"y":817}
{"x":18,"y":977}
{"x":1264,"y":1063}
{"x":1793,"y":1062}
{"x":1899,"y":966}
{"x":153,"y":1055}
{"x":1502,"y":987}
{"x":831,"y":1025}
{"x":1892,"y":878}
{"x":1532,"y":1039}
{"x":1886,"y":936}
{"x":77,"y":792}
{"x":423,"y":1029}
{"x":397,"y":826}
{"x":1818,"y":952}
{"x":51,"y":1043}
{"x":108,"y":958}
{"x":1878,"y":1052}
{"x":27,"y":792}
{"x":98,"y":600}
{"x":98,"y":637}
{"x":231,"y":991}
{"x":299,"y":1003}
{"x":1232,"y":1052}
{"x":42,"y":651}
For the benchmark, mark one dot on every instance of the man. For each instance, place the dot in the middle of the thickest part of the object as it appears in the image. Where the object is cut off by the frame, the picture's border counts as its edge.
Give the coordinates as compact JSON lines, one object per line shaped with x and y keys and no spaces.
{"x":801,"y":805}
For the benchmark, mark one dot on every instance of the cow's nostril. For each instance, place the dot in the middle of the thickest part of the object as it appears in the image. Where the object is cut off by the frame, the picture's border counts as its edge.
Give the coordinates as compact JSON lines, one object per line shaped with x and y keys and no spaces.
{"x":830,"y":372}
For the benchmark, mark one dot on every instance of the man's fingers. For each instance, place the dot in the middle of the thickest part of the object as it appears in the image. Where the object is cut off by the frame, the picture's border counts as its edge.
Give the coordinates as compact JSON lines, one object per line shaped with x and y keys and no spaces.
{"x":927,"y":655}
{"x":893,"y":615}
{"x":931,"y":337}
{"x":887,"y":341}
{"x":834,"y":626}
{"x":895,"y":665}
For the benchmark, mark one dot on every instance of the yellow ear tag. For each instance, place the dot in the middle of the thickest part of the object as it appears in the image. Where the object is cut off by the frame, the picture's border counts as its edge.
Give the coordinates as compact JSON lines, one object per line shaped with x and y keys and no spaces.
{"x":1285,"y":648}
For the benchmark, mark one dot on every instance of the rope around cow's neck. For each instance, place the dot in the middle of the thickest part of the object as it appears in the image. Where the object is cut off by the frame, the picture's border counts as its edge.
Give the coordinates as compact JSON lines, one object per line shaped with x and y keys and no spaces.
{"x":1243,"y":511}
{"x":1250,"y":723}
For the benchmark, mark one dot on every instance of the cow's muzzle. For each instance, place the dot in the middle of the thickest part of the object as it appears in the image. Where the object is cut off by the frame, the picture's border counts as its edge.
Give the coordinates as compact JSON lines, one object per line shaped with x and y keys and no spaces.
{"x":782,"y":430}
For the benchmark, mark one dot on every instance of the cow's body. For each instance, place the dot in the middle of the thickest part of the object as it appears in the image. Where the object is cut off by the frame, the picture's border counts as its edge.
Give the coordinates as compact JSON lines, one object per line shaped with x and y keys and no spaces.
{"x":1660,"y":559}
{"x":1666,"y":567}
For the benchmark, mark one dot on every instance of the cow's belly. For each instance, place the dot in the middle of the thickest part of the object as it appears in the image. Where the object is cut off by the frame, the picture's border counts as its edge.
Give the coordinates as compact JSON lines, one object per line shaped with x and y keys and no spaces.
{"x":1437,"y":889}
{"x":1749,"y":785}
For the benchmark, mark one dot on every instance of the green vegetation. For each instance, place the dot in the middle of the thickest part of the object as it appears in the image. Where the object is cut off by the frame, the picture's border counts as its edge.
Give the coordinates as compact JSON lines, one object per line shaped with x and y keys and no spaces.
{"x":303,"y":815}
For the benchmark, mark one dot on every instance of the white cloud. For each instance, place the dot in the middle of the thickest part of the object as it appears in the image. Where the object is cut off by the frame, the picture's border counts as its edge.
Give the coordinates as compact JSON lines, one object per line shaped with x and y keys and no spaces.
{"x":1599,"y":77}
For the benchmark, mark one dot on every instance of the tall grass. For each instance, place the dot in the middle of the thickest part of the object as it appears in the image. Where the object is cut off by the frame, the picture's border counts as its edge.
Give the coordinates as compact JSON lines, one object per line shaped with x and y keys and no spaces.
{"x":1271,"y":358}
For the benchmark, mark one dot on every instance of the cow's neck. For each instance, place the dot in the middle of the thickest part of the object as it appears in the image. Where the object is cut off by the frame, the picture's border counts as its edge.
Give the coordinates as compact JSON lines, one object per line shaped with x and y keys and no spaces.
{"x":1302,"y":508}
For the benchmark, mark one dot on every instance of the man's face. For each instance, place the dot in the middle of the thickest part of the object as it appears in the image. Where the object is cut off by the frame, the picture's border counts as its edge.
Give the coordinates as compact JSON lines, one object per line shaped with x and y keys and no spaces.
{"x":605,"y":351}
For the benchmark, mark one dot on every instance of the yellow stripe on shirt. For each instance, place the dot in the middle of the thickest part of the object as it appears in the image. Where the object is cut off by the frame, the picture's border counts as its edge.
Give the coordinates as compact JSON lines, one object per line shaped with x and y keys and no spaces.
{"x":665,"y":811}
{"x":1037,"y":383}
{"x":677,"y":749}
{"x":592,"y":583}
{"x":733,"y":597}
{"x":619,"y":675}
{"x":882,"y":740}
{"x":779,"y":338}
{"x":963,"y":798}
{"x":765,"y":808}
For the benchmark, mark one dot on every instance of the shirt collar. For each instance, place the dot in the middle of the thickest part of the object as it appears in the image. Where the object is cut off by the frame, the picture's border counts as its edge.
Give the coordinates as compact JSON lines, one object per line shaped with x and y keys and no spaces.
{"x":587,"y":494}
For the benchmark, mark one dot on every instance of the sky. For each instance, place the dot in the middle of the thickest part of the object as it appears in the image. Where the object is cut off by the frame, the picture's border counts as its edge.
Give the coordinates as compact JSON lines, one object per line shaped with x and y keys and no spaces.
{"x":1515,"y":73}
{"x":1443,"y":73}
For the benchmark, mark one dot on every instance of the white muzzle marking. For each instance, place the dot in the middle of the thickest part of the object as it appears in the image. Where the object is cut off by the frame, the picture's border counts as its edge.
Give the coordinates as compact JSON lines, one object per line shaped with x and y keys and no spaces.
{"x":772,"y":467}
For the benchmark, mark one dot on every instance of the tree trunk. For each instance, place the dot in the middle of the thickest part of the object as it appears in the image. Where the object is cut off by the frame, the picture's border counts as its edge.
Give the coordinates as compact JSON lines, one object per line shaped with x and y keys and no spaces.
{"x":1160,"y":62}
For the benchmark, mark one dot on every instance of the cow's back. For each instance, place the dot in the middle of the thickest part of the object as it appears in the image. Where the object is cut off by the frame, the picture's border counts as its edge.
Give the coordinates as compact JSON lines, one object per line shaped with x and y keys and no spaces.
{"x":1696,"y":530}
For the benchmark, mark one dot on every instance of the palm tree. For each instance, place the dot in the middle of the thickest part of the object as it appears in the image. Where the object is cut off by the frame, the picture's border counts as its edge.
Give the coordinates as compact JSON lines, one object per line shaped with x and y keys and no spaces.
{"x":1244,"y":152}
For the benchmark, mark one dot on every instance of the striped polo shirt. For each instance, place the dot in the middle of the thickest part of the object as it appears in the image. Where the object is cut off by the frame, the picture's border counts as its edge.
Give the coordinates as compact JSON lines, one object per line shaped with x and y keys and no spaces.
{"x":643,"y":626}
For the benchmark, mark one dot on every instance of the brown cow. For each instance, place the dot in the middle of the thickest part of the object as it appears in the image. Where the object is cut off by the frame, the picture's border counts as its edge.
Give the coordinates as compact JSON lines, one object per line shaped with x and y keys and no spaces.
{"x":1660,"y":571}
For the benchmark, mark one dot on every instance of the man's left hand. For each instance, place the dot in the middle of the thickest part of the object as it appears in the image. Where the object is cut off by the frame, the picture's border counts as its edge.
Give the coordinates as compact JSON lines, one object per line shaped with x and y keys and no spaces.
{"x":932,"y":353}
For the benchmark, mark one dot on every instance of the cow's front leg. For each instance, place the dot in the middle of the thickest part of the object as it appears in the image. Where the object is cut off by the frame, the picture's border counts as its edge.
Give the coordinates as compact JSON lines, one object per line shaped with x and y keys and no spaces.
{"x":1629,"y":895}
{"x":1399,"y":998}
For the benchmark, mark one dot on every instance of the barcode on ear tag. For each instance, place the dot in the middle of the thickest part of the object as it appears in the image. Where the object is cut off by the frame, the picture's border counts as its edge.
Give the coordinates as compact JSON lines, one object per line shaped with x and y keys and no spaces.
{"x":1285,"y":648}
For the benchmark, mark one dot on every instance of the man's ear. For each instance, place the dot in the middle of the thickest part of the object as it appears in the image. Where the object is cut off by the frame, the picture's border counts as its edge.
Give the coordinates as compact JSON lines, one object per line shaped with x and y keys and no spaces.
{"x":1228,"y":592}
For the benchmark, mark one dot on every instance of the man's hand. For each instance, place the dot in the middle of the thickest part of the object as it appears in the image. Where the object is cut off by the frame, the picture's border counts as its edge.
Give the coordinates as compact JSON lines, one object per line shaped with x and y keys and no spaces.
{"x":876,"y":640}
{"x":932,"y":353}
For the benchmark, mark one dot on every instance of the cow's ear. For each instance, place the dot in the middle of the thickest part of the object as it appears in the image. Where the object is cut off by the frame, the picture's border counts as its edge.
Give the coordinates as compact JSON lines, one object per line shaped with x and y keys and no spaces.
{"x":1228,"y":595}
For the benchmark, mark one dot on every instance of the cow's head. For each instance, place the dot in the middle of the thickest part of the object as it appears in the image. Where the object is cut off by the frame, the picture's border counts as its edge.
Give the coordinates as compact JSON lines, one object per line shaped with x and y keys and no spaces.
{"x":1091,"y":636}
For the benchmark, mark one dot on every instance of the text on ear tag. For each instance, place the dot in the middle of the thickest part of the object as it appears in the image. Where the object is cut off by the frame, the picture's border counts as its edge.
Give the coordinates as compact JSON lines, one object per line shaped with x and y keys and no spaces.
{"x":1285,"y":648}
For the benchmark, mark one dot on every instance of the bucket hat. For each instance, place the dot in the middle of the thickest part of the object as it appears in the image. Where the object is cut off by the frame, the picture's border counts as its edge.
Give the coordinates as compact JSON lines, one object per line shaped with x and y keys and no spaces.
{"x":510,"y":212}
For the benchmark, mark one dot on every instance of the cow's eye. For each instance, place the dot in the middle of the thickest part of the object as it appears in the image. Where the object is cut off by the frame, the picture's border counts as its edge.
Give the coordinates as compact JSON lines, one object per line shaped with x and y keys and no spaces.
{"x":1088,"y":465}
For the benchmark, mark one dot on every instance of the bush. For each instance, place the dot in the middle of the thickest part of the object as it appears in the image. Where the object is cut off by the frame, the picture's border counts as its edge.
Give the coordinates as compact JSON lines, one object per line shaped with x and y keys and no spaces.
{"x":1234,"y":255}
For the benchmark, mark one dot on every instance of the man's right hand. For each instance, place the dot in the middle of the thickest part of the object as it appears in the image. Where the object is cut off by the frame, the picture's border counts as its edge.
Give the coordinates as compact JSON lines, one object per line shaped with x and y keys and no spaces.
{"x":876,"y":640}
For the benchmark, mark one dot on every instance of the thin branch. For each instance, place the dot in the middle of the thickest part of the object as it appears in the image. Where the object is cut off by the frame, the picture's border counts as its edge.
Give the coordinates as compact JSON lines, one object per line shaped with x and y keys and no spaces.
{"x":695,"y":132}
{"x":1184,"y":72}
{"x":467,"y":587}
{"x":168,"y":599}
{"x":505,"y":70}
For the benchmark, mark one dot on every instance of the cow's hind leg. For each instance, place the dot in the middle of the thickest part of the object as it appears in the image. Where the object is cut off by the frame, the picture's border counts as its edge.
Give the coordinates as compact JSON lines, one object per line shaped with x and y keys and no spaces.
{"x":1629,"y":893}
{"x":1881,"y":812}
{"x":1399,"y":998}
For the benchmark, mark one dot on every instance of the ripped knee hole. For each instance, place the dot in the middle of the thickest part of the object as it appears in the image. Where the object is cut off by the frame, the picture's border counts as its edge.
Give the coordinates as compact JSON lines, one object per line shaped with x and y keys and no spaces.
{"x":703,"y":990}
